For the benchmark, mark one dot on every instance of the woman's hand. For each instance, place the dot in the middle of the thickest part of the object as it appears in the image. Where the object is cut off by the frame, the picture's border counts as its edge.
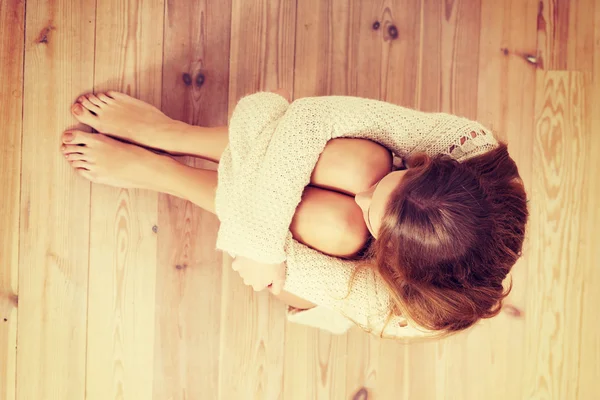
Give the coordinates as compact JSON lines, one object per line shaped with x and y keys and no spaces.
{"x":260,"y":275}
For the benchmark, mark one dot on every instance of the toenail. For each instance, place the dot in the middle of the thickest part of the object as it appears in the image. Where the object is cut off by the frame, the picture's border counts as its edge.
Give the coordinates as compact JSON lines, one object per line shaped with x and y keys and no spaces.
{"x":67,"y":137}
{"x":77,"y":109}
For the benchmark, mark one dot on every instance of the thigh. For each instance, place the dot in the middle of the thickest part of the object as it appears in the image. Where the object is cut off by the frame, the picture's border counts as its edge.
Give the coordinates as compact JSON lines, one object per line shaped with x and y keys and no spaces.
{"x":330,"y":222}
{"x":351,"y":166}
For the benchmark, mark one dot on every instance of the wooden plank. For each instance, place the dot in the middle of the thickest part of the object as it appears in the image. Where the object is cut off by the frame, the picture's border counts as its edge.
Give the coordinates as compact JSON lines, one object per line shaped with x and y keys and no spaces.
{"x":568,"y":41}
{"x":315,"y":362}
{"x":12,"y":40}
{"x":448,"y":81}
{"x":557,"y":280}
{"x":363,"y":354}
{"x":189,"y":269}
{"x":589,"y":253}
{"x":565,"y":39}
{"x":123,"y":245}
{"x":553,"y":34}
{"x":54,"y":229}
{"x":506,"y":97}
{"x":355,"y":39}
{"x":262,"y":47}
{"x":580,"y":42}
{"x":449,"y":57}
{"x":392,"y":54}
{"x":370,"y":49}
{"x":252,"y":325}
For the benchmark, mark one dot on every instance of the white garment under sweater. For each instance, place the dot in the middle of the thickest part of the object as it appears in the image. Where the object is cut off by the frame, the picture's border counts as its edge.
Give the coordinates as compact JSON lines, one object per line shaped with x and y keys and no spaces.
{"x":273,"y":149}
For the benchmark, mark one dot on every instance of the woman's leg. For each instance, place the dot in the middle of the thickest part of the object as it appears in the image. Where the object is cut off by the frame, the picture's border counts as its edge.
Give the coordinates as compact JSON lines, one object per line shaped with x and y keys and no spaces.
{"x":346,"y":165}
{"x":132,"y":120}
{"x":328,"y":221}
{"x":325,"y":220}
{"x":104,"y":160}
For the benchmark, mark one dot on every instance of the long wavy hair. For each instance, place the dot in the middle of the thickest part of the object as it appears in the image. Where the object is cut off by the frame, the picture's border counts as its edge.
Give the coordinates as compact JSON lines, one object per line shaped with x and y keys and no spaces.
{"x":449,"y":237}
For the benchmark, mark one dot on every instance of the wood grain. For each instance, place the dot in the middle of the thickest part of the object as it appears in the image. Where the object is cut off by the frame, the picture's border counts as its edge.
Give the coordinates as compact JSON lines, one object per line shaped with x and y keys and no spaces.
{"x":158,"y":331}
{"x":12,"y":41}
{"x":54,"y":229}
{"x":556,"y":214}
{"x":448,"y":81}
{"x":553,"y":34}
{"x":123,"y":244}
{"x":357,"y":58}
{"x":189,"y":269}
{"x":262,"y":47}
{"x":564,"y":34}
{"x":580,"y":42}
{"x":589,"y":253}
{"x":252,"y":325}
{"x":508,"y":37}
{"x":449,"y":57}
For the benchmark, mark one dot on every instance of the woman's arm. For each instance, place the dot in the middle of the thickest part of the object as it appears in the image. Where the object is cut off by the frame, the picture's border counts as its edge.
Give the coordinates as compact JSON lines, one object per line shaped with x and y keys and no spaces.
{"x":273,"y":150}
{"x":337,"y":285}
{"x":285,"y":156}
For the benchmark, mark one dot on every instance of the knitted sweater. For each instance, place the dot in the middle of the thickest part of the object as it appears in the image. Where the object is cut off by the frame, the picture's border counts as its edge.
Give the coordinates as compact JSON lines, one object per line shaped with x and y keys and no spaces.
{"x":273,"y":149}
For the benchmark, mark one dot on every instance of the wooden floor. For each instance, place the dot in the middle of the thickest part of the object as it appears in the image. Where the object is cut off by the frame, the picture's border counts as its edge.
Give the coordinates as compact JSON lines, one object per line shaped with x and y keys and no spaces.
{"x":118,"y":294}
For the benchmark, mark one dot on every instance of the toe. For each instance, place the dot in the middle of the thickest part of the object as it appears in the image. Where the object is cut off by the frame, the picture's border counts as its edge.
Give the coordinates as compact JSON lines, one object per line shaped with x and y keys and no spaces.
{"x":95,"y":100}
{"x":117,"y":95}
{"x":83,"y":100}
{"x":80,"y":165}
{"x":105,"y":98}
{"x":83,"y":115}
{"x":73,"y":148}
{"x":87,"y":174}
{"x":77,"y":157}
{"x":77,"y":137}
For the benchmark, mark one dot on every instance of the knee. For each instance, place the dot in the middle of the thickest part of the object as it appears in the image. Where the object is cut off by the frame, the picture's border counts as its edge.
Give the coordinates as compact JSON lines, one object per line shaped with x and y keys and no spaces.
{"x":329,"y":222}
{"x":376,"y":162}
{"x":353,"y":232}
{"x":283,"y":93}
{"x":349,"y":233}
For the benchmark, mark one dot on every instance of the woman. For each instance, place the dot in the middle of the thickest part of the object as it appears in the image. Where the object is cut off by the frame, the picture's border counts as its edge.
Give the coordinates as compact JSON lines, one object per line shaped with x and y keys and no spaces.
{"x":447,"y":232}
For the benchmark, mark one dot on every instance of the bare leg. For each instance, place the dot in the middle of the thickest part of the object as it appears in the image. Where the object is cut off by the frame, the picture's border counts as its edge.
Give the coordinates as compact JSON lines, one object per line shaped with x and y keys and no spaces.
{"x":118,"y":115}
{"x":104,"y":160}
{"x":347,"y":166}
{"x":328,"y":221}
{"x":325,"y":220}
{"x":115,"y":114}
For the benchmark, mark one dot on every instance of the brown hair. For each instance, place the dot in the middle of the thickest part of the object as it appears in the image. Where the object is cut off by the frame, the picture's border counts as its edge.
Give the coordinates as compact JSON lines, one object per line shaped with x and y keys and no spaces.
{"x":449,"y":236}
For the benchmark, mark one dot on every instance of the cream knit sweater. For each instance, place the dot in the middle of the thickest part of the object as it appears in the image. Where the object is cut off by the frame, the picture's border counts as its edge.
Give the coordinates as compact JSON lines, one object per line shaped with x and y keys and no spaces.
{"x":273,"y":149}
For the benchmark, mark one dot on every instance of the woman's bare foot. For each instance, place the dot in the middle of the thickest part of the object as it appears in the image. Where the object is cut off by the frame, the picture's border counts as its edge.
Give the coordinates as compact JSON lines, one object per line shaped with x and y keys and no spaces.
{"x":117,"y":114}
{"x":104,"y":160}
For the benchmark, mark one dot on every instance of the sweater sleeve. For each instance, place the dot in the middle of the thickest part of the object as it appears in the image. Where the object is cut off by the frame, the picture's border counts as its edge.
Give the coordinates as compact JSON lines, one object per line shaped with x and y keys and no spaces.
{"x":358,"y":294}
{"x":300,"y":137}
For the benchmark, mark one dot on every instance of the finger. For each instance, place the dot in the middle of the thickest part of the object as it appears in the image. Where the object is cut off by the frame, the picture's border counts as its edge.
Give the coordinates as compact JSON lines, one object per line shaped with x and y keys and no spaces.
{"x":279,"y":280}
{"x":277,"y":286}
{"x":258,"y":287}
{"x":250,"y":280}
{"x":235,"y":265}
